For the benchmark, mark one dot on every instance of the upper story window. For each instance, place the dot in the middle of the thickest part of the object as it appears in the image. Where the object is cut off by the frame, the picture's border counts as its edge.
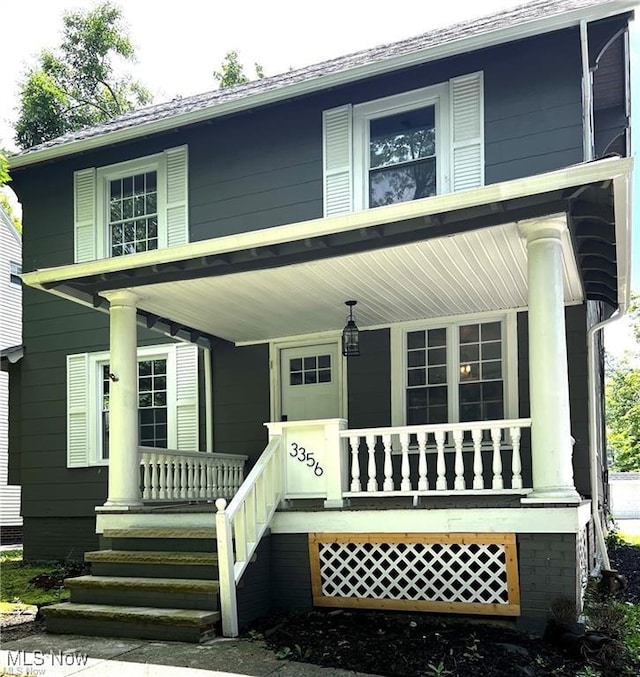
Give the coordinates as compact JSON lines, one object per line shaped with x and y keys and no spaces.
{"x":132,"y":207}
{"x":133,"y":213}
{"x":455,"y":372}
{"x":402,"y":157}
{"x":15,"y":270}
{"x":404,"y":147}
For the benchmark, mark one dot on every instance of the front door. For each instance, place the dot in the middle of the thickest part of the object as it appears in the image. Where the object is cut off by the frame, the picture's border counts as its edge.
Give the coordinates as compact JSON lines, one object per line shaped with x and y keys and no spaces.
{"x":310,"y":382}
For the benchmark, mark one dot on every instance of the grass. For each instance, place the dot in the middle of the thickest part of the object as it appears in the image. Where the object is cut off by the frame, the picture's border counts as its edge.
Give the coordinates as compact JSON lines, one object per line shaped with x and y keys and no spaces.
{"x":15,"y":589}
{"x":630,"y":539}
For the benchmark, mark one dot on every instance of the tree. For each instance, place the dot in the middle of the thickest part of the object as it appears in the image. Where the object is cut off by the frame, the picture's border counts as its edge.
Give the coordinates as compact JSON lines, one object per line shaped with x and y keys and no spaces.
{"x":623,"y":403}
{"x":232,"y":73}
{"x":623,"y":418}
{"x":76,"y":86}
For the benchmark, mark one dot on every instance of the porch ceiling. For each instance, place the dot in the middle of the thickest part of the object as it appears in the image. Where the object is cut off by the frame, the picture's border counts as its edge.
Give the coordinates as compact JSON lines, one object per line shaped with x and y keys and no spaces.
{"x":475,"y":271}
{"x":436,"y":257}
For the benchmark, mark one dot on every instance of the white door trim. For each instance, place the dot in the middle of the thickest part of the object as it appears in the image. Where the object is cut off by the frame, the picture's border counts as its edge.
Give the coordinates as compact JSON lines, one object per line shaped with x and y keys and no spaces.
{"x":276,"y":346}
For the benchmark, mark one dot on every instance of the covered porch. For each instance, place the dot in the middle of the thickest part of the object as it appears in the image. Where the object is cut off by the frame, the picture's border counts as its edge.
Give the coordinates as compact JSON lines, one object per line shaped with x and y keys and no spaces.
{"x":479,"y":257}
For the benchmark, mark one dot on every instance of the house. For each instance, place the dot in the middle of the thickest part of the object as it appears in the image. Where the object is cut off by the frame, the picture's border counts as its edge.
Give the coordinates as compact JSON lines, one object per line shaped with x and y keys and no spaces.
{"x":189,"y":421}
{"x":10,"y":351}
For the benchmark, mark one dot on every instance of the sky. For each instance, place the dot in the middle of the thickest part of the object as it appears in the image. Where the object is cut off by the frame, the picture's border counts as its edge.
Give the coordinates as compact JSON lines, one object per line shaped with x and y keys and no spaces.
{"x":179,"y":45}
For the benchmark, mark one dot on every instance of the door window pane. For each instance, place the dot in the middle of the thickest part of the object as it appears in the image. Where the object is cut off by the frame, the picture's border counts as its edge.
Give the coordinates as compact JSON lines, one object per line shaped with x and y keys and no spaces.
{"x":310,"y":370}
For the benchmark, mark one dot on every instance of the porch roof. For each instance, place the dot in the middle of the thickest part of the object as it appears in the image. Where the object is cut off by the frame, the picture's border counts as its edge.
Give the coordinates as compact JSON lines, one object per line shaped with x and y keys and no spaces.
{"x":441,"y":256}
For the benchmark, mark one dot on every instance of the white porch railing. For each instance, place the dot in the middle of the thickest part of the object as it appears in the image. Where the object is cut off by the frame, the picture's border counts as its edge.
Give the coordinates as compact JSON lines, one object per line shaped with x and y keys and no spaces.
{"x":167,"y":474}
{"x":467,"y":443}
{"x":241,"y":525}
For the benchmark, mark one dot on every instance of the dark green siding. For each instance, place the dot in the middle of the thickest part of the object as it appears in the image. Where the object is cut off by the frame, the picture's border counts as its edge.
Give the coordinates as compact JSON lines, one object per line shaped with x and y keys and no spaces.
{"x":240,"y":399}
{"x":369,"y":379}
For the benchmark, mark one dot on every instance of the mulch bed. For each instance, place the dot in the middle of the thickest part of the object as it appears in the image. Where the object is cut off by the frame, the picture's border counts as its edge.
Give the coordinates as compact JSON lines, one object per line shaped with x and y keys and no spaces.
{"x":416,"y":645}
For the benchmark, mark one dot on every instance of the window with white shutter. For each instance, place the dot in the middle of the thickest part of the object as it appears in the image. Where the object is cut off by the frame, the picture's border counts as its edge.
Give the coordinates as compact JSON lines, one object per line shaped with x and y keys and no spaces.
{"x":132,"y":207}
{"x":167,"y":402}
{"x":404,"y":147}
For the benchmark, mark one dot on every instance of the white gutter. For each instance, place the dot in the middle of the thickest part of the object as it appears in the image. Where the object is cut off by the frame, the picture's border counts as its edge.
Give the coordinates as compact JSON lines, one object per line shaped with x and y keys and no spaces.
{"x":602,"y":170}
{"x":476,"y":41}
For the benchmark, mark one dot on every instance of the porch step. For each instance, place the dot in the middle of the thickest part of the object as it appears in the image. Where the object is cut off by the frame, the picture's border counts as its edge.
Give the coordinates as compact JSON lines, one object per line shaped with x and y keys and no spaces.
{"x":144,"y":592}
{"x":160,"y":532}
{"x":153,"y":563}
{"x":157,"y":538}
{"x":185,"y":625}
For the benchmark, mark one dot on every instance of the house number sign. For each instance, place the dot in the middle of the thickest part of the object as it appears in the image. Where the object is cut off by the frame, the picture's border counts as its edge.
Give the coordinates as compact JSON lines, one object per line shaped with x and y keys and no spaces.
{"x":306,"y":457}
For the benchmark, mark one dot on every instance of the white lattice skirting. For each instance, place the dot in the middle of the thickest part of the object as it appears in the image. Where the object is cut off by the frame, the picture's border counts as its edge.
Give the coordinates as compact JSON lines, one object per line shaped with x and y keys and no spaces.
{"x":458,"y":573}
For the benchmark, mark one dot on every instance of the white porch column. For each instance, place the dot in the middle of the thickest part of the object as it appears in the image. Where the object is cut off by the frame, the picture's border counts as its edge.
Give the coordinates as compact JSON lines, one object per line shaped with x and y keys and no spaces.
{"x":551,"y":440}
{"x":124,"y":464}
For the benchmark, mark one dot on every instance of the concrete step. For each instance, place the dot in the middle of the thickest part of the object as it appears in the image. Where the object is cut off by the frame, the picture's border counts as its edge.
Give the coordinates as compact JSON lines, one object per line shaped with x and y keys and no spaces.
{"x":160,"y":532}
{"x":160,"y":538}
{"x":144,"y":592}
{"x":183,"y":625}
{"x":156,"y":564}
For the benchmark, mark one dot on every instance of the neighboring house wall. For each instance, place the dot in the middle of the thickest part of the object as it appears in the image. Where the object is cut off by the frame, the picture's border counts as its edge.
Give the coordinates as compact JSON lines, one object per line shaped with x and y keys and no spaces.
{"x":625,"y":494}
{"x":10,"y":335}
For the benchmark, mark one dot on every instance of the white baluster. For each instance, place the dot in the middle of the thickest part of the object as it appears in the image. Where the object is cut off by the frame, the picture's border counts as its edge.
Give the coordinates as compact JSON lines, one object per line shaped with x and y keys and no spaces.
{"x":174,"y":468}
{"x":183,"y":479}
{"x":163,"y":469}
{"x":227,"y":480}
{"x":372,"y":484}
{"x":516,"y":462}
{"x":215,"y":480}
{"x":441,"y":468}
{"x":354,"y":443}
{"x":459,"y":484}
{"x":423,"y":484}
{"x":146,"y":477}
{"x":405,"y":471}
{"x":201,"y":484}
{"x":191,"y":477}
{"x":496,"y":438}
{"x":478,"y":479}
{"x":153,"y":461}
{"x":388,"y":464}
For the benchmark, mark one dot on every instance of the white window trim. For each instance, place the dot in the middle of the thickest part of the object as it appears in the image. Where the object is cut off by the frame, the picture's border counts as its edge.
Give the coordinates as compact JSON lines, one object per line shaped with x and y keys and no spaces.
{"x":151,"y":163}
{"x":363,"y":114}
{"x":398,"y":333}
{"x":95,"y":363}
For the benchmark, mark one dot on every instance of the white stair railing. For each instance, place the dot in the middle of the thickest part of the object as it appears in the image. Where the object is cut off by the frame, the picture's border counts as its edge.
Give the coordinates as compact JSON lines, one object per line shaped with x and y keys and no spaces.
{"x":464,"y":442}
{"x":241,"y":524}
{"x":168,"y":474}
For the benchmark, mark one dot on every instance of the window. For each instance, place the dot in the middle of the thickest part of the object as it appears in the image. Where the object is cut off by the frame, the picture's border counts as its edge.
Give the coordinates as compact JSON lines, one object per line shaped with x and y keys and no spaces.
{"x":404,"y":147}
{"x":152,"y":404}
{"x":132,"y":223}
{"x":401,"y":148}
{"x":309,"y":370}
{"x":15,"y":270}
{"x":462,"y":371}
{"x":131,"y":207}
{"x":167,"y":402}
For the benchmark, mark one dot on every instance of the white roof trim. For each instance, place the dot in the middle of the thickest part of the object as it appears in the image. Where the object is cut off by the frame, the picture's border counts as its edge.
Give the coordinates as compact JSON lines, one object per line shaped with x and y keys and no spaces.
{"x":467,"y":44}
{"x":616,"y":169}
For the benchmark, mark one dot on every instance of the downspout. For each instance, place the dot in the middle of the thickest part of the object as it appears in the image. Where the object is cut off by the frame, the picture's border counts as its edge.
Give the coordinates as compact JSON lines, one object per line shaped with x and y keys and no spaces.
{"x":587,"y":96}
{"x":595,"y":430}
